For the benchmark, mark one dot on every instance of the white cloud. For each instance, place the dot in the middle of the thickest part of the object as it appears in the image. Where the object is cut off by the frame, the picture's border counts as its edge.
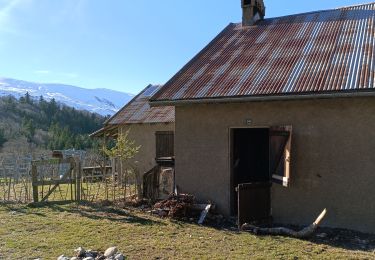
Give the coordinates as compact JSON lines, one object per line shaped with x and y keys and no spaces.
{"x":71,"y":10}
{"x":42,"y":72}
{"x":7,"y":8}
{"x":69,"y":75}
{"x":56,"y":74}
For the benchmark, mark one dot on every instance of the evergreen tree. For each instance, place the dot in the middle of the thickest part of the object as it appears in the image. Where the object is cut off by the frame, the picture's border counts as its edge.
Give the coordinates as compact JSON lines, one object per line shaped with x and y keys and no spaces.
{"x":28,"y":98}
{"x":28,"y":129}
{"x":9,"y":104}
{"x":2,"y":137}
{"x":67,"y":127}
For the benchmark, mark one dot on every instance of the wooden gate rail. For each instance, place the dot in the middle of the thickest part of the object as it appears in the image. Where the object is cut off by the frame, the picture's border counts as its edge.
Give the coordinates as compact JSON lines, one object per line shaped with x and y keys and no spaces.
{"x":74,"y":172}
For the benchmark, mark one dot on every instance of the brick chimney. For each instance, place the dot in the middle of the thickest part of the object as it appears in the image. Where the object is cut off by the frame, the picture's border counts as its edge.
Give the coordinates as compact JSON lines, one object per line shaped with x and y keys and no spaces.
{"x":252,"y":11}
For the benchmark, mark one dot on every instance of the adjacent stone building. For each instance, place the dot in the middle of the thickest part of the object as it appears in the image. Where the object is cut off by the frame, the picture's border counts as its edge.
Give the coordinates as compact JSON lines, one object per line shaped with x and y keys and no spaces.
{"x":150,"y":127}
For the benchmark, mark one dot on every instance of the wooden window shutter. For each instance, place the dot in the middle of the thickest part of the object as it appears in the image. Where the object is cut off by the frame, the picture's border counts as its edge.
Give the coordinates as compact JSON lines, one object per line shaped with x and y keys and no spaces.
{"x":164,"y":144}
{"x":280,"y":146}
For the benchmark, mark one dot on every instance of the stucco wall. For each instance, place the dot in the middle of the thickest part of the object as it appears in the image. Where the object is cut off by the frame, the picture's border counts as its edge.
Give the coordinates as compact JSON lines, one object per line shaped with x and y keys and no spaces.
{"x":144,"y":135}
{"x":333,"y":157}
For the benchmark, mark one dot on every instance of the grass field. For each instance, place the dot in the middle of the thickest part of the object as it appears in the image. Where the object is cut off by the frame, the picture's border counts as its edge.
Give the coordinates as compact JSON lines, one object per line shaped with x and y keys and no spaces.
{"x":48,"y":231}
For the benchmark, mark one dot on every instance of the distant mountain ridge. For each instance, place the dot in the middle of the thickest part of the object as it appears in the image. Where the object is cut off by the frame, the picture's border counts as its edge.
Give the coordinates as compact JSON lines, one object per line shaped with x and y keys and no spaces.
{"x":102,"y":101}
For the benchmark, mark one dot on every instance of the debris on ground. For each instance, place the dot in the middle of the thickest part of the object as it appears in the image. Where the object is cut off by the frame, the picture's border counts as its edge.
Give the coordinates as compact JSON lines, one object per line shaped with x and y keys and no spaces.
{"x":111,"y":253}
{"x":283,"y":231}
{"x":183,"y":206}
{"x":175,"y":206}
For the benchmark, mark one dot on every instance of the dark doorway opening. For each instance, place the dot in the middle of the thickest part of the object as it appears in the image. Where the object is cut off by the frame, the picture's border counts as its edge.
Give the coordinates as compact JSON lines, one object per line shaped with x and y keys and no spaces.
{"x":251,"y":178}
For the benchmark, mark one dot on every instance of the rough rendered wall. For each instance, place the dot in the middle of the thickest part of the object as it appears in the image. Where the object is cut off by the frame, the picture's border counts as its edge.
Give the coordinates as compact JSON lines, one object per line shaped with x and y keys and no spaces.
{"x":333,"y":157}
{"x":144,"y":135}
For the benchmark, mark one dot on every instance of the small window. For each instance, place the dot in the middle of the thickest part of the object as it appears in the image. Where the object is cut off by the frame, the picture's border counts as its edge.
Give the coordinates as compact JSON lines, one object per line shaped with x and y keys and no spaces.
{"x":280,"y":147}
{"x":164,"y":144}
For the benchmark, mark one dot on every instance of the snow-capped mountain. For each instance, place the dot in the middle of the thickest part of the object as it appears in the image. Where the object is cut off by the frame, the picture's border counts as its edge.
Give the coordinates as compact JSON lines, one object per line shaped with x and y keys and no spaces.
{"x":102,"y":101}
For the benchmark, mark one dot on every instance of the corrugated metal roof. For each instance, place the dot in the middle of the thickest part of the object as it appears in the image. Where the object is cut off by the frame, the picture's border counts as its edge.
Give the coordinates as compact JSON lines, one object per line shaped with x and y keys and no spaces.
{"x":329,"y":51}
{"x":138,"y":110}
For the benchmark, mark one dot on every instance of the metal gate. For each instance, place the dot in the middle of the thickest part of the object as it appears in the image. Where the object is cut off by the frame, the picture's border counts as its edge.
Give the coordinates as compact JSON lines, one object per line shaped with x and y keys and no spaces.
{"x":254,"y":203}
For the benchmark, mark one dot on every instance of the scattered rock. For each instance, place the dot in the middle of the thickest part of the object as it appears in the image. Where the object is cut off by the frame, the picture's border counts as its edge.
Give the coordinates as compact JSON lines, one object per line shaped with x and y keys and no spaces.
{"x":63,"y":257}
{"x":322,"y":235}
{"x":80,"y":252}
{"x":336,"y":238}
{"x":110,"y":251}
{"x":360,"y":241}
{"x":91,"y":253}
{"x":119,"y":256}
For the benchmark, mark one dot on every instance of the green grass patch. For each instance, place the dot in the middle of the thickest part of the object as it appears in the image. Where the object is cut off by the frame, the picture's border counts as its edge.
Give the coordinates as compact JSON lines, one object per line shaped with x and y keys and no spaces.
{"x":49,"y":230}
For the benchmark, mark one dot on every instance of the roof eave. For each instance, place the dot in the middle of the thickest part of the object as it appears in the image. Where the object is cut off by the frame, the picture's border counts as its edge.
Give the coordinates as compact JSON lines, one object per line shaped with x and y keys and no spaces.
{"x":368,"y":93}
{"x":108,"y":131}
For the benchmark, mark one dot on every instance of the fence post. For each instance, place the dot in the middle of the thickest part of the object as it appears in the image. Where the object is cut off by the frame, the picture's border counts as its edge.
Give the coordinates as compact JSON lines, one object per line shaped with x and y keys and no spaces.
{"x":78,"y":180}
{"x":34,"y":177}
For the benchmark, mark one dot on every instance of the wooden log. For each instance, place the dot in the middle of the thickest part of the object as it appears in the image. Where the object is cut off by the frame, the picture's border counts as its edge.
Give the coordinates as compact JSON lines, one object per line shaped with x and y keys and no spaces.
{"x":282,"y":231}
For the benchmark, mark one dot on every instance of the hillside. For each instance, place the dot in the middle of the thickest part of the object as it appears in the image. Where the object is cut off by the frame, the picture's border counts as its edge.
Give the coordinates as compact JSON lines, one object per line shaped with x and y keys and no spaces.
{"x":45,"y":124}
{"x":102,"y":101}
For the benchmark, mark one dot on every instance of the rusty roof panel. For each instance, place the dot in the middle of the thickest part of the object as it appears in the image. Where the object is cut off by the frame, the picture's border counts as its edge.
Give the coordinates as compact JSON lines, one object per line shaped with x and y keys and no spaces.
{"x":138,"y":110}
{"x":317,"y":52}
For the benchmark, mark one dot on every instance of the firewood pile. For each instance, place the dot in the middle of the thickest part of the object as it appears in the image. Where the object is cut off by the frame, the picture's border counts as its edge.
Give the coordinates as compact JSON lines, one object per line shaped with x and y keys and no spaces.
{"x":175,"y":206}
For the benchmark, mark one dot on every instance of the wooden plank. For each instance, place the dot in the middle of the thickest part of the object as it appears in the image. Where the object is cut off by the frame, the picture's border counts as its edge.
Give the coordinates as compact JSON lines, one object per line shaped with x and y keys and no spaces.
{"x":54,"y":182}
{"x":78,"y":181}
{"x":65,"y":176}
{"x":164,"y":144}
{"x":204,"y":214}
{"x":96,"y":168}
{"x":50,"y":161}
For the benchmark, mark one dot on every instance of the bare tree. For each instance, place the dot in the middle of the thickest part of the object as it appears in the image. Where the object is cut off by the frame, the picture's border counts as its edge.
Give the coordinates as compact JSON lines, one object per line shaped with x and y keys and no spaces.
{"x":125,"y":150}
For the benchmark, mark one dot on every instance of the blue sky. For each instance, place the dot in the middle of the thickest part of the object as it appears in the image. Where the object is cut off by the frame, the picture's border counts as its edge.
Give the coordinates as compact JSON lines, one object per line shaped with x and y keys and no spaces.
{"x":117,"y":44}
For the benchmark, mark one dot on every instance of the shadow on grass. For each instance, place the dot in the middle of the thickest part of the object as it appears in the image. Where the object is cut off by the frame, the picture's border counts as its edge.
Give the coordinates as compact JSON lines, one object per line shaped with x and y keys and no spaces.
{"x":97,"y":212}
{"x":18,"y":208}
{"x":333,"y":237}
{"x":345,"y":239}
{"x":337,"y":238}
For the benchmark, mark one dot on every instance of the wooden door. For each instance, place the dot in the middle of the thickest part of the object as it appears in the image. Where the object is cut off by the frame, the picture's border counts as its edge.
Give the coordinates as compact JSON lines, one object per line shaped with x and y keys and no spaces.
{"x":254,"y":203}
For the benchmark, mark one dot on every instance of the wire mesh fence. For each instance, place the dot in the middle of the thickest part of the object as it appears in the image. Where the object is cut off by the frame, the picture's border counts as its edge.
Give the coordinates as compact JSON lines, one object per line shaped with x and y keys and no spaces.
{"x":99,"y":179}
{"x":15,"y":179}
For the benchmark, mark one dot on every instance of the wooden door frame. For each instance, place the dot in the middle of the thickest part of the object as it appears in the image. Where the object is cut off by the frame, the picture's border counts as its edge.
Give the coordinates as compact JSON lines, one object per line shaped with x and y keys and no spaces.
{"x":230,"y":161}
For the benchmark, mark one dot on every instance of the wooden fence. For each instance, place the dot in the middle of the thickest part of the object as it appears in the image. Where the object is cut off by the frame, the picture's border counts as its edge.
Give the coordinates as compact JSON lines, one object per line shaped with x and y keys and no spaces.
{"x":70,"y":177}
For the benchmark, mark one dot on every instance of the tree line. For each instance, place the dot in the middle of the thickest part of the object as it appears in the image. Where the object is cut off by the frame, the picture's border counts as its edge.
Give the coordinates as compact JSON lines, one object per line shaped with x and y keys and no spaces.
{"x":66,"y":127}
